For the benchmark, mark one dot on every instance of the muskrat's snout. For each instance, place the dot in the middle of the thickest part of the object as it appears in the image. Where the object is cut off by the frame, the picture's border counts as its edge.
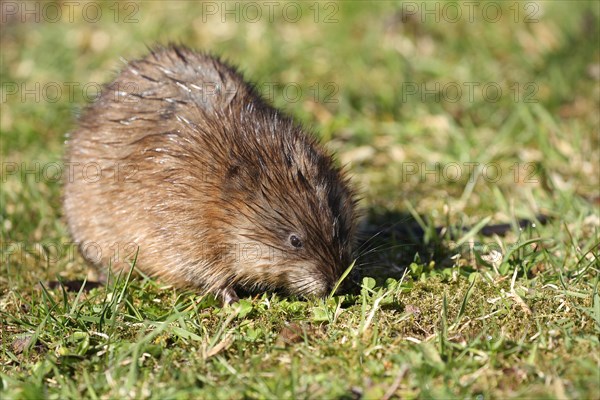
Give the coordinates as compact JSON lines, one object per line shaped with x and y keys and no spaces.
{"x":350,"y":284}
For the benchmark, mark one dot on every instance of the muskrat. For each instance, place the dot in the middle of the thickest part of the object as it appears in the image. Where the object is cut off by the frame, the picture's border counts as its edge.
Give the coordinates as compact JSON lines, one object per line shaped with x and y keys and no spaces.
{"x":182,"y":159}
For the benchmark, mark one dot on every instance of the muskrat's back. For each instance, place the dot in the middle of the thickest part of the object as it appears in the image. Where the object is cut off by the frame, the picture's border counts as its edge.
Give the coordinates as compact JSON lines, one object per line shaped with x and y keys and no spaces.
{"x":181,"y":158}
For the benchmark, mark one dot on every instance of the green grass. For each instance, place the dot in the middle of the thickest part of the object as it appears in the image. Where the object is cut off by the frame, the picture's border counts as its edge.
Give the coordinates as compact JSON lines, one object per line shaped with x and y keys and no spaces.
{"x":463,"y":321}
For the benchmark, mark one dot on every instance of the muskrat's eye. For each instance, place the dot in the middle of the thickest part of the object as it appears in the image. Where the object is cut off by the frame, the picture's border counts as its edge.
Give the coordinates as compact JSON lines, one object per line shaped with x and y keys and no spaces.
{"x":295,"y":241}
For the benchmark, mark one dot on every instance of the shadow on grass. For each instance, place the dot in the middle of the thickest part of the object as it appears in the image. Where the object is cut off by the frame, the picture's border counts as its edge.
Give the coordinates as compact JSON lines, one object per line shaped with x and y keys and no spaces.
{"x":390,"y":241}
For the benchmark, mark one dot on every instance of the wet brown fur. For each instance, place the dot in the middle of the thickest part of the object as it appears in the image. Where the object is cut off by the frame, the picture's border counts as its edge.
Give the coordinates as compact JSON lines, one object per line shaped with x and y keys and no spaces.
{"x":208,"y":180}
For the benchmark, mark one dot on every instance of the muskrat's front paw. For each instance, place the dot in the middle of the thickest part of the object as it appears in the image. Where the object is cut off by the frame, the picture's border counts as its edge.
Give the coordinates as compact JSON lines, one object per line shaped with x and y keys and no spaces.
{"x":228,"y":296}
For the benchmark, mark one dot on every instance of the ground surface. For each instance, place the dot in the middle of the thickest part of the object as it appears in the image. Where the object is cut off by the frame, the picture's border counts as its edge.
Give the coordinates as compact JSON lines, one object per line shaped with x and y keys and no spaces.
{"x":450,"y":117}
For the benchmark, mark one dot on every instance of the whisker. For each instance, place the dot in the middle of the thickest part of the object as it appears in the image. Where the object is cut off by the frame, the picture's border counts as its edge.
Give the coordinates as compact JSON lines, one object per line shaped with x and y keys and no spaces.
{"x":383,"y":248}
{"x":383,"y":229}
